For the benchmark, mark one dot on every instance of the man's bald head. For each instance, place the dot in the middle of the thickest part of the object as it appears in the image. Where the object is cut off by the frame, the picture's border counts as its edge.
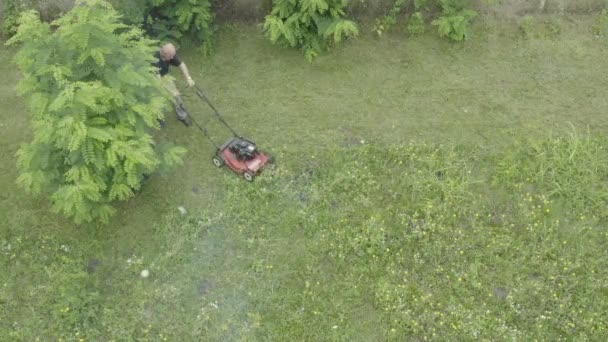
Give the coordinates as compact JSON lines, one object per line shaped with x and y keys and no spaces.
{"x":167,"y":51}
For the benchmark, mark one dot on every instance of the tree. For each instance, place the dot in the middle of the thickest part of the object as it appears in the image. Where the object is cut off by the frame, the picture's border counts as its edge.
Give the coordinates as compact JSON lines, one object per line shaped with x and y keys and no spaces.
{"x":94,"y":102}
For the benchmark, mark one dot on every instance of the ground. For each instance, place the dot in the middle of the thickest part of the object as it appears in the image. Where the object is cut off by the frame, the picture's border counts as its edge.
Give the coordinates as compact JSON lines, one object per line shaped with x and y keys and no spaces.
{"x":297,"y":254}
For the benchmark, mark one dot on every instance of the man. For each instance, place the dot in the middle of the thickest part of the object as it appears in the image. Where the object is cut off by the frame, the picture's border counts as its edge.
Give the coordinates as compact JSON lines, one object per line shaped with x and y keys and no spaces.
{"x":166,"y":56}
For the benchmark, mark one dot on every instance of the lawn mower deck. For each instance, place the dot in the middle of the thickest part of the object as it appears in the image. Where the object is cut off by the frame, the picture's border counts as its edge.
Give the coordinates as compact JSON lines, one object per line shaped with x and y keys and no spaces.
{"x":242,"y":156}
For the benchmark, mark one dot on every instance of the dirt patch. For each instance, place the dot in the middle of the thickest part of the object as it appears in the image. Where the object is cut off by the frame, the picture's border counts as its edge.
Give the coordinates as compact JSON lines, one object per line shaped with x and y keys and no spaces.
{"x":92,"y":265}
{"x":501,"y":293}
{"x":351,"y":137}
{"x":204,"y":286}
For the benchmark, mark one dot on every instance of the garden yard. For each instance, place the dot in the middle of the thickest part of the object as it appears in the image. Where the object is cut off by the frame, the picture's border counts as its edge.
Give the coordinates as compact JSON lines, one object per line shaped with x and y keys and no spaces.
{"x":424,"y":190}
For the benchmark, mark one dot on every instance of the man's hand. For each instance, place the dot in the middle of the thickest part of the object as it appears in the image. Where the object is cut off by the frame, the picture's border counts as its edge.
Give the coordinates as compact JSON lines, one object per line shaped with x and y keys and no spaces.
{"x":190,"y":82}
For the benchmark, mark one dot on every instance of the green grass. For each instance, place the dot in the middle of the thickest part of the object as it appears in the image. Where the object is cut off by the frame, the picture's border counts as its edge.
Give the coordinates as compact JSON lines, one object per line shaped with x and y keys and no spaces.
{"x":424,"y":189}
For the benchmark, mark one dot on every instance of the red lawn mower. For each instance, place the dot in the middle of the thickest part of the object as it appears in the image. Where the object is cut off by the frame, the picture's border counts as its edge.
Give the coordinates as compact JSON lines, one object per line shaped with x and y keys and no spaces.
{"x":239,"y":154}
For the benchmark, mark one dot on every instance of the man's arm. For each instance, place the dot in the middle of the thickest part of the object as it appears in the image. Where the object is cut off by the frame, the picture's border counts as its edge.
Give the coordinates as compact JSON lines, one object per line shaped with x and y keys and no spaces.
{"x":186,"y":73}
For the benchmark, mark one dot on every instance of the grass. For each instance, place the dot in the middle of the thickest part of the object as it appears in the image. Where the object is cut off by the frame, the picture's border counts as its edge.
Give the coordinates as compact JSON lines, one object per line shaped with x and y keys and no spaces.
{"x":425,"y":190}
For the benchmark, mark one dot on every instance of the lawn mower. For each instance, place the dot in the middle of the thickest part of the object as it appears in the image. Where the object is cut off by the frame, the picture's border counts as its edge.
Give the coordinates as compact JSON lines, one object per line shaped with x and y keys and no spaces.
{"x":239,"y":154}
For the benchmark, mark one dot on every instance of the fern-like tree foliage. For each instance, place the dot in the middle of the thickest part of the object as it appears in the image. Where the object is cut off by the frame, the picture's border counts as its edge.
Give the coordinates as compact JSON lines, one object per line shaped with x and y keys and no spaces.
{"x":94,"y":101}
{"x":311,"y":25}
{"x":455,"y":20}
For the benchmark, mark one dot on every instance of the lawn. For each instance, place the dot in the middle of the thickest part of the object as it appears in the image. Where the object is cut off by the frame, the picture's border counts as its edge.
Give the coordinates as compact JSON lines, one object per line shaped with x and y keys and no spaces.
{"x":423,"y":190}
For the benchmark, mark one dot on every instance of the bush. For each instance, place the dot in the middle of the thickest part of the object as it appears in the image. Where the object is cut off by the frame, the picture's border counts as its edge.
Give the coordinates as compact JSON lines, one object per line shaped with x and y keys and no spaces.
{"x":388,"y":21}
{"x":93,"y":99}
{"x":415,"y":25}
{"x":311,"y":25}
{"x":172,"y":20}
{"x":178,"y":19}
{"x":455,"y":21}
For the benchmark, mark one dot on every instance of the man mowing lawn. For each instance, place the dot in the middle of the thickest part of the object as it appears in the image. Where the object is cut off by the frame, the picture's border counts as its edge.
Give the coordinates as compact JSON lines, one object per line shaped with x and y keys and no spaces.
{"x":167,"y":56}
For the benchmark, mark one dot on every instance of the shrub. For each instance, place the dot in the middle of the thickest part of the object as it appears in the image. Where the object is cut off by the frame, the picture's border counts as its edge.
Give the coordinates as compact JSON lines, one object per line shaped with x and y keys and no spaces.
{"x":311,"y":25}
{"x":455,"y":21}
{"x":177,"y":19}
{"x":415,"y":24}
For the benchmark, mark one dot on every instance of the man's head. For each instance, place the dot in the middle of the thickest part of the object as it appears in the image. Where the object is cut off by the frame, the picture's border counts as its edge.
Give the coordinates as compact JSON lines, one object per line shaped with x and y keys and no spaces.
{"x":167,"y":51}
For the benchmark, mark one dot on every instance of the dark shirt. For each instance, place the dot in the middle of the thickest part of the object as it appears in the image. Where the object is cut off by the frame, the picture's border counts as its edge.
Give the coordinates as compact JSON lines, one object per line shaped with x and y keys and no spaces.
{"x":163,"y":66}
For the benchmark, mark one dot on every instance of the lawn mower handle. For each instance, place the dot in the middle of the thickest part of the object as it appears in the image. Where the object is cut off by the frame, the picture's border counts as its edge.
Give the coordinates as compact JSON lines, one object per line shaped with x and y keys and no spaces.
{"x":200,"y":94}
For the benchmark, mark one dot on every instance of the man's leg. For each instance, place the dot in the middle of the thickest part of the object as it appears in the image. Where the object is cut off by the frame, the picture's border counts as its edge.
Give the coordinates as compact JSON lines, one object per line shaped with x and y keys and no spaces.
{"x":182,"y":115}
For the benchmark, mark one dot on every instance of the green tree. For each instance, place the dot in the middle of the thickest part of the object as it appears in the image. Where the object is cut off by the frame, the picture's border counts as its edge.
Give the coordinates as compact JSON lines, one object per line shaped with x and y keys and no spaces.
{"x":311,"y":25}
{"x":94,"y":102}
